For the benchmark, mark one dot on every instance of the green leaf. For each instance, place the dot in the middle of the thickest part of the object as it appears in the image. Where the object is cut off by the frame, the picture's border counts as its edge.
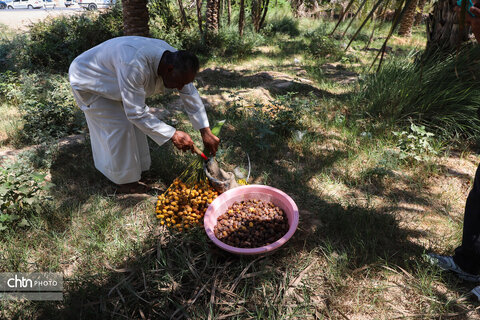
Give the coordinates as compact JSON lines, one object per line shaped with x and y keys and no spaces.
{"x":38,"y":177}
{"x":24,"y":223}
{"x":216,"y":129}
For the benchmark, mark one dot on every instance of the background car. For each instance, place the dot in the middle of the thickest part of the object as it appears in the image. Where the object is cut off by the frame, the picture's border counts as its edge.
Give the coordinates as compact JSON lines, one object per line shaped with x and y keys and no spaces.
{"x":3,"y":5}
{"x":96,"y":4}
{"x":69,"y":3}
{"x":25,"y":4}
{"x":48,"y":4}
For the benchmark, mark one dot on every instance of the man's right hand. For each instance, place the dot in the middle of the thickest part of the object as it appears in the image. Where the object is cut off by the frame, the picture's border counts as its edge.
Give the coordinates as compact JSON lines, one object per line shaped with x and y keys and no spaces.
{"x":182,"y":141}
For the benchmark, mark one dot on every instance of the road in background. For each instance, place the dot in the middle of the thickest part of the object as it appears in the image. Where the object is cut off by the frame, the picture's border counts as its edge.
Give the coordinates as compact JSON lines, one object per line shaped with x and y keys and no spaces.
{"x":20,"y":19}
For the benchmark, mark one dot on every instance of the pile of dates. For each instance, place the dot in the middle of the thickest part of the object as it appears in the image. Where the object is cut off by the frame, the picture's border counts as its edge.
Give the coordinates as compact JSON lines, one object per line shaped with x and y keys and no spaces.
{"x":251,"y":224}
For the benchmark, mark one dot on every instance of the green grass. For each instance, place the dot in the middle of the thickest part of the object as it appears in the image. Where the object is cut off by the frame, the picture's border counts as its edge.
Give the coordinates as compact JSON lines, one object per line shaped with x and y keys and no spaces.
{"x":366,"y":216}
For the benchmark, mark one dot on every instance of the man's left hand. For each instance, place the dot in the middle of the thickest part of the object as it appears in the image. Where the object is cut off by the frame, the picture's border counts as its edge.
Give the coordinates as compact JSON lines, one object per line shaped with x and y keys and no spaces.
{"x":210,"y":141}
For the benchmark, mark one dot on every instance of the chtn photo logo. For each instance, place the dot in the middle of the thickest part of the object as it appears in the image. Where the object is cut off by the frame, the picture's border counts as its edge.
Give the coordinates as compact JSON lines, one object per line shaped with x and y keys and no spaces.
{"x":17,"y":282}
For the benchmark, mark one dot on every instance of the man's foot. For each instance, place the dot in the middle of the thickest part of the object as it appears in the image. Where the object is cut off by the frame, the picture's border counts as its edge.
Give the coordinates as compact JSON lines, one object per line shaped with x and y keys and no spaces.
{"x":447,"y":263}
{"x":134,"y":187}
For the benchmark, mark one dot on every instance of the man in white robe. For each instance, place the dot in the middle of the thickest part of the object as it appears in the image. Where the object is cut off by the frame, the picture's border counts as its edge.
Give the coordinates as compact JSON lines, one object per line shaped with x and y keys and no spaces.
{"x":110,"y":83}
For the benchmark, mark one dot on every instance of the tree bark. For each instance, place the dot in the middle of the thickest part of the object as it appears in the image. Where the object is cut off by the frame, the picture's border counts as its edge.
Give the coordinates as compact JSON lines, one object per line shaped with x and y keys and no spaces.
{"x":212,"y":15}
{"x":265,"y":10}
{"x":199,"y":4}
{"x":229,"y":10}
{"x":135,"y":18}
{"x":182,"y":14}
{"x":259,"y":11}
{"x":241,"y":18}
{"x":407,"y":20}
{"x":419,"y":13}
{"x":443,"y":30}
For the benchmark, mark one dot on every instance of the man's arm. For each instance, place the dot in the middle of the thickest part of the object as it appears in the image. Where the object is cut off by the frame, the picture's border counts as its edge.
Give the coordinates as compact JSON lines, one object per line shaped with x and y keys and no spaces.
{"x":130,"y":81}
{"x":198,"y":116}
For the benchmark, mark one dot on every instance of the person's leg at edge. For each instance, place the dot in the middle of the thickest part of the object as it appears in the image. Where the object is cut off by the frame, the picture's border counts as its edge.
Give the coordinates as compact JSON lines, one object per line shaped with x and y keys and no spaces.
{"x":467,"y":256}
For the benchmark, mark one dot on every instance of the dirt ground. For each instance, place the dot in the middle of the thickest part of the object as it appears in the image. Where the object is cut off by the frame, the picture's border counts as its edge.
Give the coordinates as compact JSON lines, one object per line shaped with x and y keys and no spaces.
{"x":21,"y":19}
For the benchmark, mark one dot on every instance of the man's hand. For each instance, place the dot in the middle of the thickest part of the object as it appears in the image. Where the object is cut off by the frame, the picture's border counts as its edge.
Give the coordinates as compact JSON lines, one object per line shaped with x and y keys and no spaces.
{"x":210,"y":141}
{"x":182,"y":141}
{"x":474,"y":22}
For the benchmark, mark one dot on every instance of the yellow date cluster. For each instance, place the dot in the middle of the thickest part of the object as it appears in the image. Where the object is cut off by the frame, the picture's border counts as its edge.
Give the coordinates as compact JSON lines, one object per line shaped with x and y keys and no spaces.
{"x":183,"y":207}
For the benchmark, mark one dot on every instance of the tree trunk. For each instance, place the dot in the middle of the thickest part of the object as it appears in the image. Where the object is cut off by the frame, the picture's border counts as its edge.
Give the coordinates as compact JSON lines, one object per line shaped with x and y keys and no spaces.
{"x":135,"y":18}
{"x":199,"y":14}
{"x":212,"y":15}
{"x":256,"y":12}
{"x":265,"y":10}
{"x":443,"y":30}
{"x":219,"y":13}
{"x":408,"y":18}
{"x":241,"y":17}
{"x":259,"y":11}
{"x":229,"y":10}
{"x":419,"y":14}
{"x":182,"y":14}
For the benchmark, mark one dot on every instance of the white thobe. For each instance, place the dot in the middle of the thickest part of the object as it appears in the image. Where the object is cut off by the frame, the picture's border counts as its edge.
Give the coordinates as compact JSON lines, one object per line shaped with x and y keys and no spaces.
{"x":110,"y":83}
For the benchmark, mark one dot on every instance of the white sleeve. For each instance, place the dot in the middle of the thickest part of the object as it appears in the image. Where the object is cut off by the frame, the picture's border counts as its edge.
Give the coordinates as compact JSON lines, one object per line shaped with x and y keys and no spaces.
{"x":194,"y":106}
{"x":131,"y":83}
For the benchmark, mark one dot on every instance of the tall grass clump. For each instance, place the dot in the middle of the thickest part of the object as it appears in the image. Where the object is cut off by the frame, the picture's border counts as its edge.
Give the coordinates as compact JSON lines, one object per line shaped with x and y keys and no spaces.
{"x":440,"y":94}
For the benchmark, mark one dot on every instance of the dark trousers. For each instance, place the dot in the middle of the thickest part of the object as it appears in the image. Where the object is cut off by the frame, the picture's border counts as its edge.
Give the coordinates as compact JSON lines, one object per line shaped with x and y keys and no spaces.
{"x":467,"y":256}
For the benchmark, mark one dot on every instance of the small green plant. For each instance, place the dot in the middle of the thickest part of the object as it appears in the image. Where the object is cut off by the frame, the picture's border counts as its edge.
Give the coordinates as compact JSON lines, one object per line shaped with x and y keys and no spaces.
{"x":10,"y":89}
{"x":415,"y":144}
{"x":22,"y":193}
{"x":320,"y":45}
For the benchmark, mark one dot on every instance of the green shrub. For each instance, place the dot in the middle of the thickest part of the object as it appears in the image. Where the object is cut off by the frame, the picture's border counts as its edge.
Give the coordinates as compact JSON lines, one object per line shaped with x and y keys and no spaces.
{"x":47,"y":120}
{"x":10,"y":89}
{"x":321,"y":45}
{"x":22,"y":193}
{"x":53,"y":43}
{"x":284,"y":25}
{"x":441,"y":94}
{"x":225,"y":43}
{"x":46,"y":103}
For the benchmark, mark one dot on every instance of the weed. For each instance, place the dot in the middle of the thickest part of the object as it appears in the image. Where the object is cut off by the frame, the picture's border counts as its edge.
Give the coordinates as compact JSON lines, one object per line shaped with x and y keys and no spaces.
{"x":415,"y":144}
{"x":22,"y":193}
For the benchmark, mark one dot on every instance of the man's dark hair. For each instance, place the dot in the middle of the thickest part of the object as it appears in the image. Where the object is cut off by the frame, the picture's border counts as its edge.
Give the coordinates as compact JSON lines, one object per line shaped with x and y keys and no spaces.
{"x":185,"y":62}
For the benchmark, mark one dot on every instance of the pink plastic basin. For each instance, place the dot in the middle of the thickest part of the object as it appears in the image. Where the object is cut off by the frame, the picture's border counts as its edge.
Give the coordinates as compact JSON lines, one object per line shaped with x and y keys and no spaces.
{"x":265,"y":193}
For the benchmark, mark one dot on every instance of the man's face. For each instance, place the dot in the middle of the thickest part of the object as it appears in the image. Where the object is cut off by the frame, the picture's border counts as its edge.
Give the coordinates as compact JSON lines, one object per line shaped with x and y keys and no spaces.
{"x":176,"y":80}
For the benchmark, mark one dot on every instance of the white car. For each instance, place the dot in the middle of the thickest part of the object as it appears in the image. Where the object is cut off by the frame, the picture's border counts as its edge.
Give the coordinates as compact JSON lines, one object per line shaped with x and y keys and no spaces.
{"x":95,"y":4}
{"x":25,"y":4}
{"x":49,"y":4}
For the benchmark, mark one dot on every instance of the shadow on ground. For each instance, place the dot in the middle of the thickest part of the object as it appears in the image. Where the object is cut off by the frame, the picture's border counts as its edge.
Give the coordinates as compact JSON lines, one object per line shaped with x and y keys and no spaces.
{"x":186,"y":276}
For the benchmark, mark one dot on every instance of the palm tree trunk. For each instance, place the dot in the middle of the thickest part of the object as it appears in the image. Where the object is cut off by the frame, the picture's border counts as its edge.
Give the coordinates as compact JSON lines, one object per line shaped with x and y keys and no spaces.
{"x":241,"y":17}
{"x":212,"y":15}
{"x":135,"y":18}
{"x":229,"y":10}
{"x":199,"y":14}
{"x":182,"y":14}
{"x":443,"y":29}
{"x":419,"y":14}
{"x":408,"y":18}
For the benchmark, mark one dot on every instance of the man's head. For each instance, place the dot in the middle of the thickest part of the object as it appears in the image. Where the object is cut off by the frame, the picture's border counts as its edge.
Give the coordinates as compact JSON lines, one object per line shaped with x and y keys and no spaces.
{"x":178,"y":68}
